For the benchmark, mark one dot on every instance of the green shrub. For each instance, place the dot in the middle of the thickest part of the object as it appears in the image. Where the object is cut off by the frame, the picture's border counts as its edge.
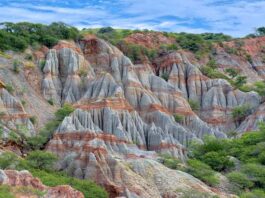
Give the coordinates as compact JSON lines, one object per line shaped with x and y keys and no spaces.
{"x":202,"y":171}
{"x":195,"y":105}
{"x":8,"y":160}
{"x":217,"y":161}
{"x":64,"y":111}
{"x":239,"y":113}
{"x":29,"y":57}
{"x":255,"y":173}
{"x":33,"y":119}
{"x":42,"y":64}
{"x":39,"y":141}
{"x":165,"y":76}
{"x":256,"y":193}
{"x":16,"y":66}
{"x":240,"y":81}
{"x":10,"y":88}
{"x":41,"y":160}
{"x":232,"y":72}
{"x":50,"y":101}
{"x":213,"y":73}
{"x":170,"y":161}
{"x":260,"y":88}
{"x":88,"y":188}
{"x":178,"y":118}
{"x":240,"y":180}
{"x":249,"y":58}
{"x":230,"y":50}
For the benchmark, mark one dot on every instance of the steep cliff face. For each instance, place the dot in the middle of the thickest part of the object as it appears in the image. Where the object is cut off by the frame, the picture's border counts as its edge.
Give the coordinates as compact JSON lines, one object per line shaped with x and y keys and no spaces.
{"x":125,"y":113}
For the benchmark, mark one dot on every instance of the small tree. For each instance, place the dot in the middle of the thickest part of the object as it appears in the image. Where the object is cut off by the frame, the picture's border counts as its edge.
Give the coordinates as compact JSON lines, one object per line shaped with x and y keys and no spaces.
{"x":41,"y":160}
{"x":241,"y":112}
{"x":8,"y":159}
{"x":240,"y":180}
{"x":240,"y":81}
{"x":232,"y":72}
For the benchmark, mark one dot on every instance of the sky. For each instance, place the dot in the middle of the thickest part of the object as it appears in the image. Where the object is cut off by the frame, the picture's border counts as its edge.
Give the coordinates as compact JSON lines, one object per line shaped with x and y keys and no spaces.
{"x":233,"y":17}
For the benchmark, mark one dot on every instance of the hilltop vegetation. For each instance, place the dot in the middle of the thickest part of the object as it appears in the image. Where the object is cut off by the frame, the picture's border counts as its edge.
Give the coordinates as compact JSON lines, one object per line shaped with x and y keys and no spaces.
{"x":18,"y":36}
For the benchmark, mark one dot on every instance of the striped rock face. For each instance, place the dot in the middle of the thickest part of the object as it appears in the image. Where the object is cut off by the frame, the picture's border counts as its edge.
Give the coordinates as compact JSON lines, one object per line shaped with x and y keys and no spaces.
{"x":13,"y":115}
{"x":125,"y":113}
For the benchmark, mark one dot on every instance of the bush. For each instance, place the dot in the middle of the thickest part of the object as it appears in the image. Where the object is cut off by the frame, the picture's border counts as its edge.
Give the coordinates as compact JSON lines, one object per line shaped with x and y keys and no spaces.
{"x":217,"y":161}
{"x":16,"y":66}
{"x":33,"y":119}
{"x":260,"y":88}
{"x":240,"y":81}
{"x":213,"y":73}
{"x":256,"y":193}
{"x":39,"y":141}
{"x":165,"y":76}
{"x":202,"y":171}
{"x":232,"y":72}
{"x":41,"y":160}
{"x":8,"y":160}
{"x":195,"y":105}
{"x":255,"y":173}
{"x":178,"y":118}
{"x":10,"y":88}
{"x":50,"y":101}
{"x":240,"y":180}
{"x":88,"y":188}
{"x":170,"y":161}
{"x":239,"y":113}
{"x":64,"y":111}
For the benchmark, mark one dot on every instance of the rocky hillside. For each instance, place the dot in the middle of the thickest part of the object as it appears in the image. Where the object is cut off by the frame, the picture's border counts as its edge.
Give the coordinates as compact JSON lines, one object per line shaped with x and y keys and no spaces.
{"x":127,"y":115}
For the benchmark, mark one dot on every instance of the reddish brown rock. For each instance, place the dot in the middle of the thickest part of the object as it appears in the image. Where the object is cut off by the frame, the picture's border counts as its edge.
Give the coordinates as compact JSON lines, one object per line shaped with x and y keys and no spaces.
{"x":16,"y":179}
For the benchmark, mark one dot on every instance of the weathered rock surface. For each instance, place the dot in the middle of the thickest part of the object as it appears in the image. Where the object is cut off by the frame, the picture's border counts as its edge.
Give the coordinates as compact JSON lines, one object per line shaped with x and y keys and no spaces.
{"x":16,"y":179}
{"x":125,"y":113}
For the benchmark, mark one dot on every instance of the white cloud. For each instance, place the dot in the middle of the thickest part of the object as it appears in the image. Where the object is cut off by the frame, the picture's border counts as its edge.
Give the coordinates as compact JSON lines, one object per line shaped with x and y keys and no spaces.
{"x":238,"y":17}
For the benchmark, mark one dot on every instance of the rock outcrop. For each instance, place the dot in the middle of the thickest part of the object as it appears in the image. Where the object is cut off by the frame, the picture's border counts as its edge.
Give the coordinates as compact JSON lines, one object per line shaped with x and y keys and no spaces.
{"x":18,"y":179}
{"x":126,"y":114}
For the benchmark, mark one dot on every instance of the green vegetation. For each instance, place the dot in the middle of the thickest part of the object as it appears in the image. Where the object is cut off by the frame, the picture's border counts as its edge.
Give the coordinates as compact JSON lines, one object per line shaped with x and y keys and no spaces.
{"x":41,"y":160}
{"x":5,"y":192}
{"x":37,"y":142}
{"x":18,"y":36}
{"x":165,"y":76}
{"x":88,"y":188}
{"x":241,"y":160}
{"x":195,"y":105}
{"x":232,"y":72}
{"x":50,"y":101}
{"x":239,"y":113}
{"x":40,"y":164}
{"x":260,"y":88}
{"x":179,"y":118}
{"x":10,"y":88}
{"x":202,"y":171}
{"x":170,"y":161}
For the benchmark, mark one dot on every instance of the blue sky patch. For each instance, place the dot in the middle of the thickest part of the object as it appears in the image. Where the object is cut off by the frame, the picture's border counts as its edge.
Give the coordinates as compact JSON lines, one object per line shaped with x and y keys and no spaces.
{"x":234,"y":17}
